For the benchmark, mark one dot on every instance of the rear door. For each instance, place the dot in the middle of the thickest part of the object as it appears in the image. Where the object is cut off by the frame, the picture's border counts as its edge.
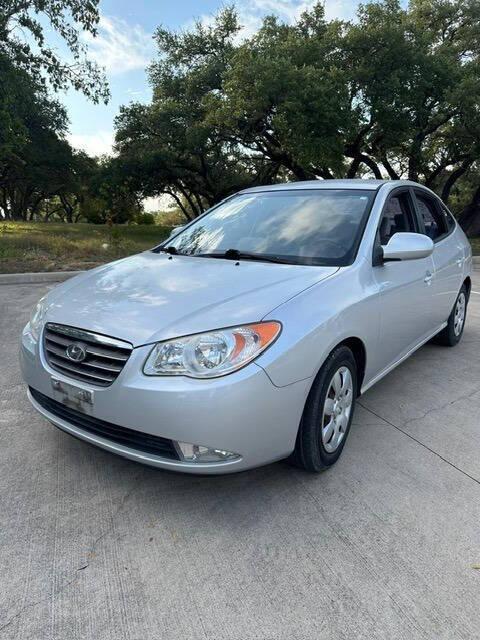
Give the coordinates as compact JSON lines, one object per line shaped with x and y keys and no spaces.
{"x":448,"y":255}
{"x":405,"y":286}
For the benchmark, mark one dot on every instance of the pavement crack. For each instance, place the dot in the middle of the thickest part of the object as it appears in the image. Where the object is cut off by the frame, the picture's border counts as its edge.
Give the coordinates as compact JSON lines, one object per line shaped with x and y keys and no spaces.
{"x":90,"y":554}
{"x":467,"y":396}
{"x":422,"y":444}
{"x":30,"y":605}
{"x":114,"y":516}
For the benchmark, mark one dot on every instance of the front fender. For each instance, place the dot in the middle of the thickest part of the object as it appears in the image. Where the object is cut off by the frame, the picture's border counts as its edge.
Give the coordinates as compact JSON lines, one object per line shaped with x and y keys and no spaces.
{"x":316,"y":321}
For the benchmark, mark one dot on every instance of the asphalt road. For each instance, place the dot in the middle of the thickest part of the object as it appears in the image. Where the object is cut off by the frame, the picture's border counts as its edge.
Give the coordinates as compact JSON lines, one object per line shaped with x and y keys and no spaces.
{"x":383,"y":546}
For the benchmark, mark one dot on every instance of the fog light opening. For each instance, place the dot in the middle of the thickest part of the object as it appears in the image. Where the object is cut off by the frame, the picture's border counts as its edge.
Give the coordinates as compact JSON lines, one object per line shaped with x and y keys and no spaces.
{"x":198,"y":453}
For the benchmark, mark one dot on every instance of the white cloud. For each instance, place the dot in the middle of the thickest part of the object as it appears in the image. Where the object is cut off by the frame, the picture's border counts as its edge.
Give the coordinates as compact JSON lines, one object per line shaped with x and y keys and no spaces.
{"x":343,"y":9}
{"x":134,"y":94}
{"x":95,"y":144}
{"x":291,"y":10}
{"x":119,"y":46}
{"x":252,"y":12}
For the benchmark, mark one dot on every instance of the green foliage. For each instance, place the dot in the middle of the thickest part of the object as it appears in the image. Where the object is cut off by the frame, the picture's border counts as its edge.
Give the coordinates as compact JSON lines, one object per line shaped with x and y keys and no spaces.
{"x":145,"y":218}
{"x":417,"y":80}
{"x":40,"y":174}
{"x":173,"y":146}
{"x":23,"y":43}
{"x":393,"y":94}
{"x":285,"y":95}
{"x":109,"y":197}
{"x":34,"y":157}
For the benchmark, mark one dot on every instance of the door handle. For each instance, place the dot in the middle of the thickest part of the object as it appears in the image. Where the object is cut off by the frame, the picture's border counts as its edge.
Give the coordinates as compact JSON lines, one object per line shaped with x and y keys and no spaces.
{"x":428,"y":278}
{"x":459,"y":263}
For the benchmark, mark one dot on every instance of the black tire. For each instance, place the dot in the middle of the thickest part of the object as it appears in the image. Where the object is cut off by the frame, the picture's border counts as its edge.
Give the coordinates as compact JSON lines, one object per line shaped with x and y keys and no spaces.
{"x":449,"y":337}
{"x":310,"y":452}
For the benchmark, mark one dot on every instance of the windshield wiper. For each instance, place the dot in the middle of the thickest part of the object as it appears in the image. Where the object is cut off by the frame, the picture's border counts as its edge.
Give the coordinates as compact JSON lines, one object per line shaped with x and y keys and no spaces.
{"x":235,"y":254}
{"x":171,"y":250}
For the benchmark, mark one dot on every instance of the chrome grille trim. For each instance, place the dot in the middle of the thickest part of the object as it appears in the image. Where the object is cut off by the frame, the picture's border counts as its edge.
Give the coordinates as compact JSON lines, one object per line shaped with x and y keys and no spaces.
{"x":81,"y":334}
{"x":105,"y":356}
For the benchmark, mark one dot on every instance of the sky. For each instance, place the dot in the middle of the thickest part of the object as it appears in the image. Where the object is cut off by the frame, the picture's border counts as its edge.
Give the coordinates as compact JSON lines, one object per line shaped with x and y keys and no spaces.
{"x":124,"y":47}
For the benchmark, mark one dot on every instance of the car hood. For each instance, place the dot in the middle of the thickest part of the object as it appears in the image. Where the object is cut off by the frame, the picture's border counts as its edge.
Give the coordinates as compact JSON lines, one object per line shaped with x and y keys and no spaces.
{"x":152,"y":296}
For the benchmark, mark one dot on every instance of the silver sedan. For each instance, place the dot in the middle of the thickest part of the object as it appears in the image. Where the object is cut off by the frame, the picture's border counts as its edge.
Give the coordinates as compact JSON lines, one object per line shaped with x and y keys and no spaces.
{"x":247,"y":336}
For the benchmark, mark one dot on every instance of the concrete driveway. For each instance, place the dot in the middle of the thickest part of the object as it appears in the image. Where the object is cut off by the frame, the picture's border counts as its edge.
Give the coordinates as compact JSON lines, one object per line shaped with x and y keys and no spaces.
{"x":382,"y":546}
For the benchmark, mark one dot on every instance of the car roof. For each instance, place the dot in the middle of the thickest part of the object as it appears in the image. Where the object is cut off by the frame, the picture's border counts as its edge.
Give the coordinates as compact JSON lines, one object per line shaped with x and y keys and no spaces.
{"x":354,"y":183}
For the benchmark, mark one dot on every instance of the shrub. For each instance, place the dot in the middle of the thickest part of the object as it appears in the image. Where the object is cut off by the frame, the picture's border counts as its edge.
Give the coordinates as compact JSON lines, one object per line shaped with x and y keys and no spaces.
{"x":145,"y":218}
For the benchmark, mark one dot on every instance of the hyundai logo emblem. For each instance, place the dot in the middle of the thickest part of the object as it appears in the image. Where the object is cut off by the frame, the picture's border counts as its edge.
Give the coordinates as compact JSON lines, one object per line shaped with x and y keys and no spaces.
{"x":76,"y":352}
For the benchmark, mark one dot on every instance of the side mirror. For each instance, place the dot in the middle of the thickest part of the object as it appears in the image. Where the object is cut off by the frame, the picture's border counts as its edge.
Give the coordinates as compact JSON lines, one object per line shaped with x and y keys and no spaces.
{"x":407,"y":246}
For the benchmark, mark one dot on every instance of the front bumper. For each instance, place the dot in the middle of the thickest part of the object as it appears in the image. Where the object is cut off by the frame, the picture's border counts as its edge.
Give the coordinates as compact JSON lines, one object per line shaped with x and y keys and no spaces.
{"x":242,"y":412}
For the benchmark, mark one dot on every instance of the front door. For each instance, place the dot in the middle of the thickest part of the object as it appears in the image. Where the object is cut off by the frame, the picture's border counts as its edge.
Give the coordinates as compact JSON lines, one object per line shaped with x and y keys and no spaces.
{"x":405,"y":287}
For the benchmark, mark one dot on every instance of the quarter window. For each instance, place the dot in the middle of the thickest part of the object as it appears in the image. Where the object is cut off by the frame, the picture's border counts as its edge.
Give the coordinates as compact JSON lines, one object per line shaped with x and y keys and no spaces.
{"x":397,"y":217}
{"x":449,"y":219}
{"x":433,"y":220}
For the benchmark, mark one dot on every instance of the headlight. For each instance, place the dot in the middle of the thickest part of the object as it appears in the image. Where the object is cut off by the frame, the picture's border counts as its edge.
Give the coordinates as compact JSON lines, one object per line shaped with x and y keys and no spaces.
{"x":212,"y":354}
{"x":36,"y":318}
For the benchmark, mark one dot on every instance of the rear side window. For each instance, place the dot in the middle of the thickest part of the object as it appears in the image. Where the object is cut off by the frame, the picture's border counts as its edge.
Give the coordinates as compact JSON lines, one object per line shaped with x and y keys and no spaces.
{"x":449,"y":219}
{"x":433,"y":220}
{"x":397,"y":217}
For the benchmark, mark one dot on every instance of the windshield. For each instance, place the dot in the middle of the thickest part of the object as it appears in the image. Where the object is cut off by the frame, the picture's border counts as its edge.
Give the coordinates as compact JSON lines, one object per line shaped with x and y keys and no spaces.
{"x":315,"y":227}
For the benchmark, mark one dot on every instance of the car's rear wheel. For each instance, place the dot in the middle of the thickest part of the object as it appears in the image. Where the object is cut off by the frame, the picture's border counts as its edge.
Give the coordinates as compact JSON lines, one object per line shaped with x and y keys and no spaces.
{"x":328,"y":413}
{"x":452,"y":334}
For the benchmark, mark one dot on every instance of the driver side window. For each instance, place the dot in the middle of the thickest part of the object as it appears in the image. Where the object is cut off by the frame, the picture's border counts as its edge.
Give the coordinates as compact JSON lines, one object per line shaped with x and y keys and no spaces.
{"x":397,"y":217}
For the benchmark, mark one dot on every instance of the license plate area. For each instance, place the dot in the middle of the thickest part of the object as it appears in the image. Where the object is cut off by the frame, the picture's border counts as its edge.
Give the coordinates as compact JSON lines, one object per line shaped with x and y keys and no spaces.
{"x":72,"y":396}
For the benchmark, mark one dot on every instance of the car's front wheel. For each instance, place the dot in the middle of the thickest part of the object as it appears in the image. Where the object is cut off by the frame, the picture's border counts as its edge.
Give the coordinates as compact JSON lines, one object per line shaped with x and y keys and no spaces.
{"x":328,"y":413}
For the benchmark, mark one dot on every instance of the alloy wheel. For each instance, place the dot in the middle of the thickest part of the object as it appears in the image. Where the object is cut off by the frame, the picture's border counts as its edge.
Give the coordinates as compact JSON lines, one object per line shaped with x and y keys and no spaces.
{"x":459,"y":314}
{"x":337,"y":409}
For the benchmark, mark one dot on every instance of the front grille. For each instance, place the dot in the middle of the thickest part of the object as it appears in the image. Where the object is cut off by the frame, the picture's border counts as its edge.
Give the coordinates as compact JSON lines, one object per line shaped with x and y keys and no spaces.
{"x":103,"y":360}
{"x":130,"y":438}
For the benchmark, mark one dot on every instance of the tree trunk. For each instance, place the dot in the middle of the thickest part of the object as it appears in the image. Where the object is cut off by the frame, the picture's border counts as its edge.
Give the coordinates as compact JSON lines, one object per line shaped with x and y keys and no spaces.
{"x":199,"y":202}
{"x":469,"y":218}
{"x":392,"y":174}
{"x":361,"y":158}
{"x":68,"y":208}
{"x":452,"y":179}
{"x":180,"y":204}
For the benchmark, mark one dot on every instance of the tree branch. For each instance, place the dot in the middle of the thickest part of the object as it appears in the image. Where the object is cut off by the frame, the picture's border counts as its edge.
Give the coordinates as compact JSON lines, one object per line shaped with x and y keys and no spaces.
{"x":453,"y":177}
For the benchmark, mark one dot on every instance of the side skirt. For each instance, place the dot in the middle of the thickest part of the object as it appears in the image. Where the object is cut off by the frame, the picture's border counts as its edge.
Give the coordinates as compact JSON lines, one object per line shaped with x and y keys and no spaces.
{"x":392,"y":366}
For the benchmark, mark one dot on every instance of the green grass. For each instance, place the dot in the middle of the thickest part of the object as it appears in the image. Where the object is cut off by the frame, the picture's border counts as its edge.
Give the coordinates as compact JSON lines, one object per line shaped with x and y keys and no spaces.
{"x":41,"y":246}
